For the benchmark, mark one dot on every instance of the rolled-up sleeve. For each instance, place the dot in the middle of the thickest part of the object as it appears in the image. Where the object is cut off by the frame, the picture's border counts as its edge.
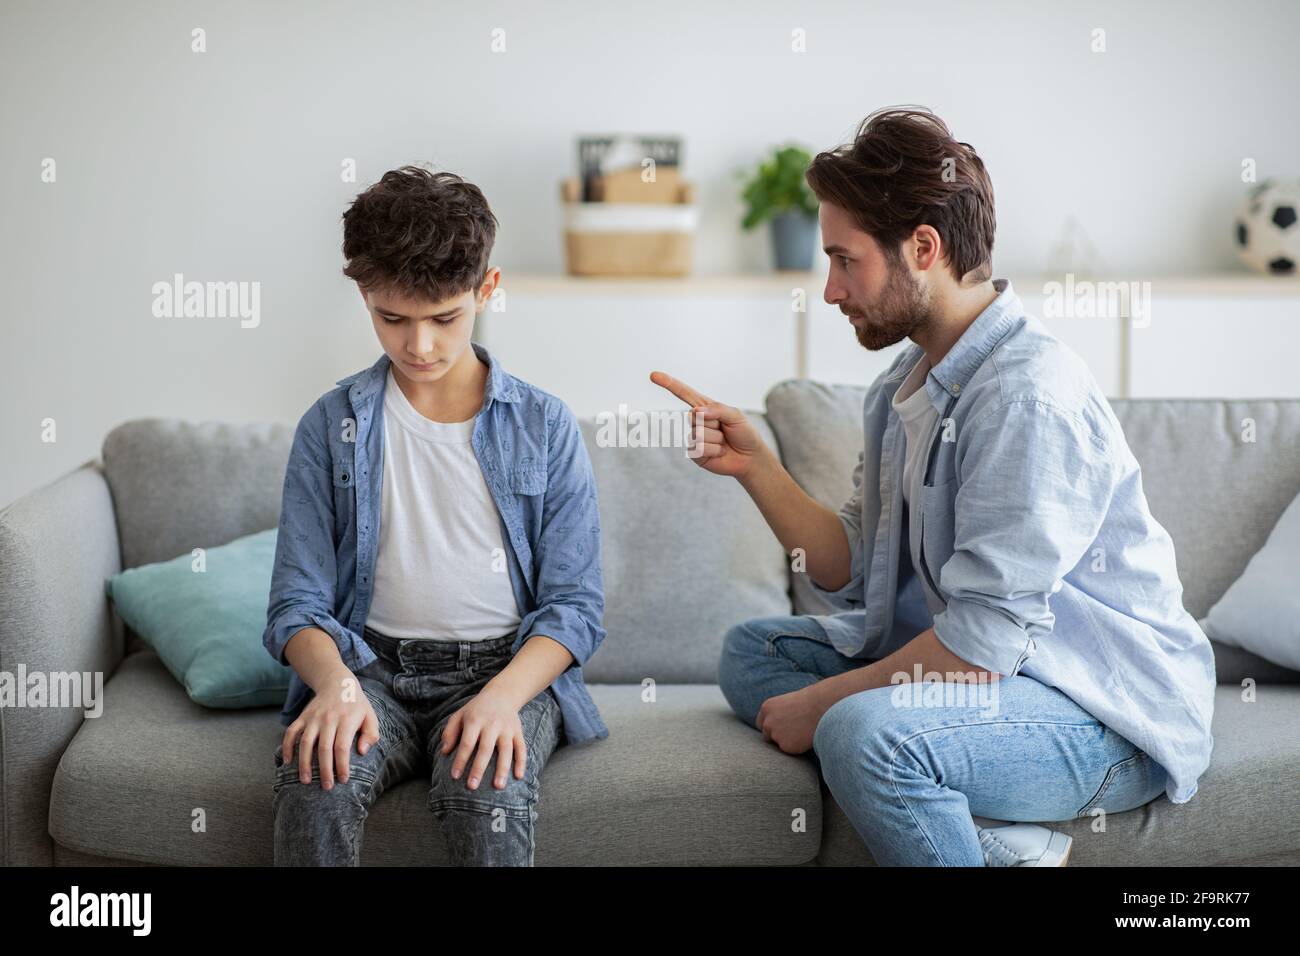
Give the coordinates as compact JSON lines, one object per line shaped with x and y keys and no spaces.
{"x":569,"y":588}
{"x":851,"y":596}
{"x":304,"y":577}
{"x":1035,"y":484}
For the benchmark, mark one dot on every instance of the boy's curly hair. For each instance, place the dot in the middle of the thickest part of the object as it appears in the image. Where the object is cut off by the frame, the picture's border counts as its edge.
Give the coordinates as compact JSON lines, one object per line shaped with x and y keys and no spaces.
{"x":419,"y":233}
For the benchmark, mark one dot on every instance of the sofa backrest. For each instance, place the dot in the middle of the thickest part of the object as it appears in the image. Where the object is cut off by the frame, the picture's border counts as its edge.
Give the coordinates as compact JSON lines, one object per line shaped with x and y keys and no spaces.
{"x":686,"y":555}
{"x":179,"y":485}
{"x":1216,"y":493}
{"x":1217,"y":475}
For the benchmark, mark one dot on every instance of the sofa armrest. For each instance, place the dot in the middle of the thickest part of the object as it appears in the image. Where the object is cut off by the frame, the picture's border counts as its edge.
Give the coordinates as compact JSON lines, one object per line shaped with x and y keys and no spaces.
{"x":57,"y":546}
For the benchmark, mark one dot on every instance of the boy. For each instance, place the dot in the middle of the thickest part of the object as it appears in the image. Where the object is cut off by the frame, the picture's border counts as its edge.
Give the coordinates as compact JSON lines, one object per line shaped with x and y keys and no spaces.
{"x":437,"y":584}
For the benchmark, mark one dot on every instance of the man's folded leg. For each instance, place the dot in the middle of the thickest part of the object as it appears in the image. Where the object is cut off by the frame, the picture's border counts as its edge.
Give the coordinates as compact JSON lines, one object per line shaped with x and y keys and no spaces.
{"x":910,"y":770}
{"x":769,"y":656}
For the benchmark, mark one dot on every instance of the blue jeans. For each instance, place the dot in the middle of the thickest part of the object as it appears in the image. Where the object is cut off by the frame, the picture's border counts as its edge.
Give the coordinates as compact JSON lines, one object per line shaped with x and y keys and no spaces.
{"x":414,"y":687}
{"x":909,"y":772}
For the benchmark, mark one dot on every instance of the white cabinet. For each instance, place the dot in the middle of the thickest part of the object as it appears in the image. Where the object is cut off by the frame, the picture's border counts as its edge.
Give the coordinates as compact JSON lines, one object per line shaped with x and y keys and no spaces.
{"x":1229,"y":346}
{"x":594,"y":342}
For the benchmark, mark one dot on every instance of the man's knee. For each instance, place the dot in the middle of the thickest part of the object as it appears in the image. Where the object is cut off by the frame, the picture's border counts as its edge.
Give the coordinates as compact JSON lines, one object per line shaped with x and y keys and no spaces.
{"x":742,"y":645}
{"x":859,"y":727}
{"x":745,"y":637}
{"x":750,"y":639}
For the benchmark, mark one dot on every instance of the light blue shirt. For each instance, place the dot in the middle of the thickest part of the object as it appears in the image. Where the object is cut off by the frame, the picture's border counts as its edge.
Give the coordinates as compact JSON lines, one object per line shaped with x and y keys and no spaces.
{"x":536,"y":467}
{"x":1038,"y":553}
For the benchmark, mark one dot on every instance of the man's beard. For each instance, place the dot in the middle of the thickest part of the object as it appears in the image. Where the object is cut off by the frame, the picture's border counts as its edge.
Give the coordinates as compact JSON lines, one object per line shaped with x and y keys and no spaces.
{"x":899,"y":311}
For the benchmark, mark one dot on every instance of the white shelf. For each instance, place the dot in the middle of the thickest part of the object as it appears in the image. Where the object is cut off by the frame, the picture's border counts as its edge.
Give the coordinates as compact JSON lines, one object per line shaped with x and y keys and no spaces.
{"x":1231,"y":284}
{"x":740,"y":285}
{"x":728,"y":286}
{"x":1201,"y":336}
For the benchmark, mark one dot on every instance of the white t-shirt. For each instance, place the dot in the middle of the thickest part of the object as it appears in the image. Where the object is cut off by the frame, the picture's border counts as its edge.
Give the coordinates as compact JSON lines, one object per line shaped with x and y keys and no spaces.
{"x":918,"y":413}
{"x":439,"y":534}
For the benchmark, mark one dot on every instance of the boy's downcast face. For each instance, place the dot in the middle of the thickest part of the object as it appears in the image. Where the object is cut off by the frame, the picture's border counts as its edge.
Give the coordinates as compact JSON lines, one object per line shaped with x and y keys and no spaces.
{"x":424,"y":339}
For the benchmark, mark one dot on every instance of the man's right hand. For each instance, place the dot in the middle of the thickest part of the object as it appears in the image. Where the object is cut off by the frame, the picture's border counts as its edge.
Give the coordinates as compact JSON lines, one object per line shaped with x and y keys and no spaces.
{"x":730,"y":445}
{"x":726,"y":442}
{"x":327,"y":727}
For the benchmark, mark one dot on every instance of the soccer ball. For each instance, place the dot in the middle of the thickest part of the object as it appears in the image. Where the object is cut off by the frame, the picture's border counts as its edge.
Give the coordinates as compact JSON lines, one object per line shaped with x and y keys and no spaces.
{"x":1268,"y":230}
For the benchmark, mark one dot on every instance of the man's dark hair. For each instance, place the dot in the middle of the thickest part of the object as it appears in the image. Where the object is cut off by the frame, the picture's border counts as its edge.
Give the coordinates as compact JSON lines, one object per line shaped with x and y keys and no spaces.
{"x":903,"y":170}
{"x":419,"y":233}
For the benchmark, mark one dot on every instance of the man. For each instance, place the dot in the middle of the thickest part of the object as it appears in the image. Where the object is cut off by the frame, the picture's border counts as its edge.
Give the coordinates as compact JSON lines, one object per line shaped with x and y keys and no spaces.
{"x":995,"y":500}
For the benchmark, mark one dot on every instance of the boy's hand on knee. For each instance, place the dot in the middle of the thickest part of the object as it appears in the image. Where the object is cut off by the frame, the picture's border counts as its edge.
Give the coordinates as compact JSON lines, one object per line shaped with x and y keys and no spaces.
{"x":490,"y":723}
{"x":327,"y":727}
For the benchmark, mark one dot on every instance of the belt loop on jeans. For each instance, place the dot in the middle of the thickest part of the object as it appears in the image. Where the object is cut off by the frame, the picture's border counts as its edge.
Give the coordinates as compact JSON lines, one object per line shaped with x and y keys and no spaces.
{"x":383,"y":645}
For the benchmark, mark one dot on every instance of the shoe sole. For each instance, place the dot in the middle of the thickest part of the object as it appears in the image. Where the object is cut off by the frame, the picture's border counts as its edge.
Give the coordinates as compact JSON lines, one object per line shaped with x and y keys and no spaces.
{"x":1059,"y":846}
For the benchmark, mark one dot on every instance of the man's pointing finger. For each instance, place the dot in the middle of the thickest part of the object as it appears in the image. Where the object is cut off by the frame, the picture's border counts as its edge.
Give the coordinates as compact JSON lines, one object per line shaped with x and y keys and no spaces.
{"x":679,"y":388}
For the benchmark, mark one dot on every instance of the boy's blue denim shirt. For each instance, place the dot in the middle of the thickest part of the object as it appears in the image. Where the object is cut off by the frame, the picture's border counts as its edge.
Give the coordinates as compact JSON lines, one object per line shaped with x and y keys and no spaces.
{"x":538,"y":471}
{"x":1038,"y":552}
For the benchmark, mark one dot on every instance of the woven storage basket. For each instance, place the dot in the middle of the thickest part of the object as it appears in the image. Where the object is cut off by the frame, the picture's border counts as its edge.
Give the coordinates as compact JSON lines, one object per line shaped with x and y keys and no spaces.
{"x":628,"y":238}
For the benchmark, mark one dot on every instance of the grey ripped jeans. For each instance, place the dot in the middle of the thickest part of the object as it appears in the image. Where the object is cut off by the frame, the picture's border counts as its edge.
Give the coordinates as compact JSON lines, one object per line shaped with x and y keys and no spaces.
{"x":414,"y":687}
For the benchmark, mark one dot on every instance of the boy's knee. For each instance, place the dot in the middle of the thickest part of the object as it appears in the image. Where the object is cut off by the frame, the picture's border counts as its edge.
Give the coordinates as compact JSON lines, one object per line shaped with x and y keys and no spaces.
{"x":309,"y":807}
{"x":449,"y":794}
{"x":343,"y":799}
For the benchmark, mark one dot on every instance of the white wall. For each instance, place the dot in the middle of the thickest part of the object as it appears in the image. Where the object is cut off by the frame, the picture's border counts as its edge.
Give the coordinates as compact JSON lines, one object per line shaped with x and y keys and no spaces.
{"x":225,"y":165}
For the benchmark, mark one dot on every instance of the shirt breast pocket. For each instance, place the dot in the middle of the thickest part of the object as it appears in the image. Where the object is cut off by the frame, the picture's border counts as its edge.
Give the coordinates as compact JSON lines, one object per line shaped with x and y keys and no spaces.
{"x":343,"y":477}
{"x":528,"y":481}
{"x":344,"y":482}
{"x":937,"y":513}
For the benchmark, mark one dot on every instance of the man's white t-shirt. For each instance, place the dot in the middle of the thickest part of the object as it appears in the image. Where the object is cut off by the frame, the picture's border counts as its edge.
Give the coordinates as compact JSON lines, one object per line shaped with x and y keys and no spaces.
{"x":439,"y":534}
{"x":913,"y":405}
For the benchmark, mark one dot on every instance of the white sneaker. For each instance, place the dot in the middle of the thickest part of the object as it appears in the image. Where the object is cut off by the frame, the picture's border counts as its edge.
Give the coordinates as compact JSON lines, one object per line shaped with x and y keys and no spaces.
{"x":1022,"y":844}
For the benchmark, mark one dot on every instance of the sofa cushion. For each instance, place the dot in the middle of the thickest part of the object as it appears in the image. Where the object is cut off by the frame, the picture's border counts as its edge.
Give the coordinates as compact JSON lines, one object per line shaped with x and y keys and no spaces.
{"x":1260,"y":611}
{"x":1232,"y":665}
{"x":207,"y":627}
{"x":678,"y":781}
{"x":685,"y":556}
{"x":819,"y":428}
{"x":1243,"y":812}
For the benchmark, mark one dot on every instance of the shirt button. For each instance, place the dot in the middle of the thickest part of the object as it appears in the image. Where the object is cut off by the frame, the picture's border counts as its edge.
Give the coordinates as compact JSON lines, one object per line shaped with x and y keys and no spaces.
{"x":956,"y":387}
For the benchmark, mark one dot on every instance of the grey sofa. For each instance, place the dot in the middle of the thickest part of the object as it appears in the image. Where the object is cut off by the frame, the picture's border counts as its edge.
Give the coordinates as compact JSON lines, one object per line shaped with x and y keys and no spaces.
{"x":679,"y":780}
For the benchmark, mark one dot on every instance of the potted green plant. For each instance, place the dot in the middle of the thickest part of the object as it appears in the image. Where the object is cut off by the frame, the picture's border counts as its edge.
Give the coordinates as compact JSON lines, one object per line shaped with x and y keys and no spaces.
{"x":777,"y":190}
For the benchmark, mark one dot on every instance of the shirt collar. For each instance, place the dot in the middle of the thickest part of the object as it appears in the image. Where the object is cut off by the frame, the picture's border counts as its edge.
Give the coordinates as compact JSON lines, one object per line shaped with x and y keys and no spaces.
{"x":968,"y":353}
{"x":364,"y":384}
